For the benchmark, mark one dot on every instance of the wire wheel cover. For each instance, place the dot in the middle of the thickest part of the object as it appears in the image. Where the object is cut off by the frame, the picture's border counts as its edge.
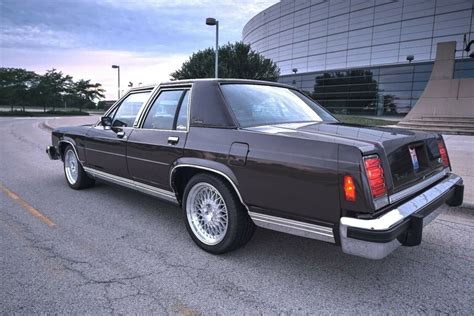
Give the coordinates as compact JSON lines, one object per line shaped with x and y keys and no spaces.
{"x":207,"y":213}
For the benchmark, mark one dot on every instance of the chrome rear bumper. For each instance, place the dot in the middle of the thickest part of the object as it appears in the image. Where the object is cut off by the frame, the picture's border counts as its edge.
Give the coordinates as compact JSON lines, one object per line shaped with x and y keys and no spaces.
{"x":403,"y":225}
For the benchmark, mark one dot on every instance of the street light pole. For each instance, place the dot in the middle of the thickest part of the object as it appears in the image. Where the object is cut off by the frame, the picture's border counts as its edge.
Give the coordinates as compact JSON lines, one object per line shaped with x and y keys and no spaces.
{"x":118,"y":73}
{"x":217,"y":50}
{"x":212,"y":21}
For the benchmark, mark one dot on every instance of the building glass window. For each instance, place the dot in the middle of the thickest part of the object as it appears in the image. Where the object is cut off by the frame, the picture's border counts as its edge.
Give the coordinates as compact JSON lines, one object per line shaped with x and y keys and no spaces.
{"x":332,"y":41}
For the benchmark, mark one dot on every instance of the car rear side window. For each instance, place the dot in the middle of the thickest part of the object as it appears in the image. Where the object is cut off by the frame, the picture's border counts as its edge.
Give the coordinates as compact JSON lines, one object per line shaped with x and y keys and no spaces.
{"x":163,"y":111}
{"x":127,"y":111}
{"x":255,"y":105}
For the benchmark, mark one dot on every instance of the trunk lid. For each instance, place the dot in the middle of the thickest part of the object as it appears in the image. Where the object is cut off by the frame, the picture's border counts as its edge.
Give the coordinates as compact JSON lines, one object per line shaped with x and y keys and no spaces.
{"x":411,"y":155}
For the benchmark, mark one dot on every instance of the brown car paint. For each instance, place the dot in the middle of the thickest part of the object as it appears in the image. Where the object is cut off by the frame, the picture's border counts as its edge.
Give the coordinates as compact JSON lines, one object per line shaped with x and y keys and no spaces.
{"x":293,"y":171}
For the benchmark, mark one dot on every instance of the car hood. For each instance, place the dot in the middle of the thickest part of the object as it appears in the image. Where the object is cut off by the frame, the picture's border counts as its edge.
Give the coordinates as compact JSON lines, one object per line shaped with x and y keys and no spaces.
{"x":364,"y":137}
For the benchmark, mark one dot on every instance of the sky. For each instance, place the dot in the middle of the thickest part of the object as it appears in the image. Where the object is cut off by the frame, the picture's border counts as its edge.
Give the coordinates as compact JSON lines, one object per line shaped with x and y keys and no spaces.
{"x":149,"y":39}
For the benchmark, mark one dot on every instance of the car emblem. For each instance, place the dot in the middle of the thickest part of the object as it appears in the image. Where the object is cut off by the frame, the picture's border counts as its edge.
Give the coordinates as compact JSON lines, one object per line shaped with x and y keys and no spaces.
{"x":414,"y":159}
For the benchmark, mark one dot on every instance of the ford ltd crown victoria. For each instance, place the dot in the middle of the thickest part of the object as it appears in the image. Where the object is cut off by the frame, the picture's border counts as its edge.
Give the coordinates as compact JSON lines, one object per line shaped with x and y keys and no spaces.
{"x":235,"y":154}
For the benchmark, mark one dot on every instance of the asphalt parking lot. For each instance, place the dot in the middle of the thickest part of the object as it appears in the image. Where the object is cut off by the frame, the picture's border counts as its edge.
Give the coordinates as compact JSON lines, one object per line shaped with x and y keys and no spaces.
{"x":111,"y":250}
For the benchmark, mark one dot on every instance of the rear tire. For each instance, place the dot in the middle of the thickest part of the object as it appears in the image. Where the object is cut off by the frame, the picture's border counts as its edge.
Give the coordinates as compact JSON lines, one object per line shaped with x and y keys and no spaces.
{"x":76,"y":177}
{"x":214,"y":216}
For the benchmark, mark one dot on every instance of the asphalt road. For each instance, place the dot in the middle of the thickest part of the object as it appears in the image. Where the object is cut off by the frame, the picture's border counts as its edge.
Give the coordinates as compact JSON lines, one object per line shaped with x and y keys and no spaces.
{"x":110,"y":250}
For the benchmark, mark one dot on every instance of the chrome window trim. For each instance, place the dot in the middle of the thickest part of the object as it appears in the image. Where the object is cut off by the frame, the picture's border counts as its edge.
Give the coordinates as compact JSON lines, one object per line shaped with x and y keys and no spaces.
{"x":211,"y":170}
{"x":417,"y":187}
{"x":293,"y":227}
{"x":138,"y":186}
{"x":397,"y":215}
{"x":142,"y":108}
{"x":161,"y":130}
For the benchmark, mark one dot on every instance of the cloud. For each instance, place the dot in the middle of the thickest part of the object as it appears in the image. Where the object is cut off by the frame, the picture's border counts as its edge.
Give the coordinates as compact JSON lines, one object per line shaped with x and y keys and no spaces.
{"x":146,"y":25}
{"x":96,"y":65}
{"x":37,"y":36}
{"x":149,"y":39}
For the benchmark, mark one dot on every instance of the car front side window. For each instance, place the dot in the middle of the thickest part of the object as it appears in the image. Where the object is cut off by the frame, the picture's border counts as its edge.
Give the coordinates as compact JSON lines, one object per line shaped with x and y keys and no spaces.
{"x":126,"y":113}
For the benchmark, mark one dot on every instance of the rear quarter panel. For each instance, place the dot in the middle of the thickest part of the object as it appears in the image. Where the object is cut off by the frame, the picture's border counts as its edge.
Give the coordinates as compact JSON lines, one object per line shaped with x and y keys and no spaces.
{"x":283,"y":176}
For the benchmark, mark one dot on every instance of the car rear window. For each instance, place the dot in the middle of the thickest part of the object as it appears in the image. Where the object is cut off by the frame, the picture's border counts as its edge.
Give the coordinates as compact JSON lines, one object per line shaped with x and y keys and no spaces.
{"x":256,"y":105}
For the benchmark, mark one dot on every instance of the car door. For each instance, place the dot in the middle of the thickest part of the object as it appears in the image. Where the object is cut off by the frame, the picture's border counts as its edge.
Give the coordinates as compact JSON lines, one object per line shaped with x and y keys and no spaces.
{"x":160,"y":138}
{"x":106,"y":145}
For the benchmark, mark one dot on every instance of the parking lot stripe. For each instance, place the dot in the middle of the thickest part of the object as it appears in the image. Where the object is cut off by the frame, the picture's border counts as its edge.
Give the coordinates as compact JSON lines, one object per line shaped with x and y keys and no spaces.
{"x":27,"y":206}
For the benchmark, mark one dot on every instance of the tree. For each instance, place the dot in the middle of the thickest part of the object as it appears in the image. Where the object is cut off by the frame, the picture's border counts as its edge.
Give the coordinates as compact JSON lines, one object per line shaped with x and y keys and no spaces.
{"x":235,"y":61}
{"x":87,"y":92}
{"x":17,"y":86}
{"x":52,"y":87}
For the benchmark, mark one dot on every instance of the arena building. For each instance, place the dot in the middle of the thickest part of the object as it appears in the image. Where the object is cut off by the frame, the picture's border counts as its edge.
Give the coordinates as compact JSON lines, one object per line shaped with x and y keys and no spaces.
{"x":362,"y":56}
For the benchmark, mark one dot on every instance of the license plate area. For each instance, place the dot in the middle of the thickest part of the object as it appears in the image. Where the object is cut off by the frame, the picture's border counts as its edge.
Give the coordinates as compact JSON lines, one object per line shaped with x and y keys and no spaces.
{"x":411,"y":162}
{"x":414,"y":159}
{"x":419,"y":157}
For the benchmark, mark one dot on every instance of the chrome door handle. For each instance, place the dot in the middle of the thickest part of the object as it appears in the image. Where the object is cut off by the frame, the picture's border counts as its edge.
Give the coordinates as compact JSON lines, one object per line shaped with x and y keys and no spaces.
{"x":173,"y":140}
{"x":121,"y":134}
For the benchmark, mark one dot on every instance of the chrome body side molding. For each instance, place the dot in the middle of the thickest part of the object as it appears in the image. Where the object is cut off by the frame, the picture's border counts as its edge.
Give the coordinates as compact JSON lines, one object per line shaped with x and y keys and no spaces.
{"x":293,"y":227}
{"x":105,"y":152}
{"x":144,"y":188}
{"x":417,"y":187}
{"x":148,"y":160}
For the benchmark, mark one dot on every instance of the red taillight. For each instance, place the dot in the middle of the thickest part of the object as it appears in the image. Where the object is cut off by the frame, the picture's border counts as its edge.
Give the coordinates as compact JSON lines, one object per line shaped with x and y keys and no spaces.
{"x":349,"y":189}
{"x":443,"y":152}
{"x":374,"y":171}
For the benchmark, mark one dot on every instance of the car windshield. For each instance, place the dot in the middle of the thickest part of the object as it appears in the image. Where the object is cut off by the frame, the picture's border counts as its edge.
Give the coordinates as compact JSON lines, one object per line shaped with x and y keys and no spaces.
{"x":256,"y":105}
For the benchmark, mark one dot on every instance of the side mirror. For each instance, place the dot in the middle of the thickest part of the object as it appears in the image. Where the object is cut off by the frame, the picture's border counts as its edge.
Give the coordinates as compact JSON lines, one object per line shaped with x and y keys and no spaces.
{"x":106,"y":121}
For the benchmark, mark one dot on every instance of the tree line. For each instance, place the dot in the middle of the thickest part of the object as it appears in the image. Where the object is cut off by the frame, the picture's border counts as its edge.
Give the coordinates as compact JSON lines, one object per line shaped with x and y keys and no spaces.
{"x":20,"y":88}
{"x":23,"y":88}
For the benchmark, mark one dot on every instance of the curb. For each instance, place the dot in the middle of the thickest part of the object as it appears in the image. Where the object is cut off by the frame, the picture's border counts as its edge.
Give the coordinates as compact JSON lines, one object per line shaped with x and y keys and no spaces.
{"x":46,"y":125}
{"x":467,"y":205}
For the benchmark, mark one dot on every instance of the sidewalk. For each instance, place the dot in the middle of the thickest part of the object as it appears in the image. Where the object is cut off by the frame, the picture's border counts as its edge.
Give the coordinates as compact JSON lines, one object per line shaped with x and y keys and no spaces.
{"x":460,"y":149}
{"x":461,"y":154}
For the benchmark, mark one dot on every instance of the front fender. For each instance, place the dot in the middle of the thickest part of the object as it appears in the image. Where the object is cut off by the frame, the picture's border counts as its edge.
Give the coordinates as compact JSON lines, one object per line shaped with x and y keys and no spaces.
{"x":63,"y":142}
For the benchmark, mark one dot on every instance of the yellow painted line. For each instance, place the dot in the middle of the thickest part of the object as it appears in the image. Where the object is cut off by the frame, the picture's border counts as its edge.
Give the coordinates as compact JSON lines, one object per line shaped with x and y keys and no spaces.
{"x":27,"y":206}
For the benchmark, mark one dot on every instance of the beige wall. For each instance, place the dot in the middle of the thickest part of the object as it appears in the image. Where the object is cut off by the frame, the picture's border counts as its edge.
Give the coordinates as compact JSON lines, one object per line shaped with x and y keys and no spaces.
{"x":443,"y":95}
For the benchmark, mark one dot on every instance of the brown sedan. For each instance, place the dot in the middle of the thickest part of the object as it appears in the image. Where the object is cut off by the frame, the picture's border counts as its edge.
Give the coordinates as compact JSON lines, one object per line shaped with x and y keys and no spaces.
{"x":238,"y":153}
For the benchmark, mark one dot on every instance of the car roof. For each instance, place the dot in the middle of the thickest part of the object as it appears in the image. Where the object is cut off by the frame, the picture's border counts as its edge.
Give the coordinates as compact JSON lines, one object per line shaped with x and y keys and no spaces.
{"x":221,"y":80}
{"x":146,"y":87}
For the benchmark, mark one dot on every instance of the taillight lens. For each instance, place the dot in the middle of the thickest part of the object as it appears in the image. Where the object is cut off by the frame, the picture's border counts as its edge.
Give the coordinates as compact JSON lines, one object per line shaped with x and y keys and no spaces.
{"x":374,"y":171}
{"x":443,"y":152}
{"x":349,"y":189}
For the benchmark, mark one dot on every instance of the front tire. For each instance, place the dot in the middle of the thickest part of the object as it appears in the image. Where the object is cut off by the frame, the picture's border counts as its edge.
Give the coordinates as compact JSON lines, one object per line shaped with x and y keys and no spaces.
{"x":76,"y":177}
{"x":214,"y":216}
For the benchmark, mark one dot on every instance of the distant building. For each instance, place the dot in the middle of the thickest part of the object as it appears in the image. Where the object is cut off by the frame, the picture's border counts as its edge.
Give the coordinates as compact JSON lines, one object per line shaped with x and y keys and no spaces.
{"x":362,"y":56}
{"x":106,"y":104}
